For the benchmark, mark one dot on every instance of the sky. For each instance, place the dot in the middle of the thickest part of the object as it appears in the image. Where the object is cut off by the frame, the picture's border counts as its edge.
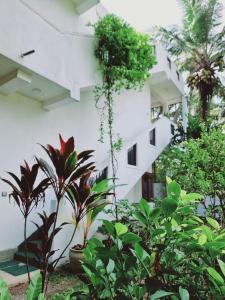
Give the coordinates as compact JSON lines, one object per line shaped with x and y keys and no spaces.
{"x":144,"y":14}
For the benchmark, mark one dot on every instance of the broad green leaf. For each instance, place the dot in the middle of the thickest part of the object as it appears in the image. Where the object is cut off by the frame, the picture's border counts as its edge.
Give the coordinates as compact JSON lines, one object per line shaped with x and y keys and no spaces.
{"x":202,"y":239}
{"x":213,"y":223}
{"x":222,"y":266}
{"x":141,"y":217}
{"x":139,"y":251}
{"x":212,"y":272}
{"x":169,"y":205}
{"x":109,"y":227}
{"x":131,"y":238}
{"x":184,"y":295}
{"x":174,"y":189}
{"x":191,"y":197}
{"x":154,"y":214}
{"x":168,"y":180}
{"x":101,"y":186}
{"x":160,"y":294}
{"x":110,"y":267}
{"x":34,"y":289}
{"x":120,"y":229}
{"x":144,"y":206}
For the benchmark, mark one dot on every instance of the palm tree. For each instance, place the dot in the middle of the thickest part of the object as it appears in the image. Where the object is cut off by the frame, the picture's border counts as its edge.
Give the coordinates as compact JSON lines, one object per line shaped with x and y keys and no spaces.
{"x":199,"y":47}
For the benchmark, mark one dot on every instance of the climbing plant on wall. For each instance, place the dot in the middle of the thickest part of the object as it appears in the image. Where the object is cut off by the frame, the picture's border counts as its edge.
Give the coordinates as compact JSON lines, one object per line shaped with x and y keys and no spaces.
{"x":125,"y":58}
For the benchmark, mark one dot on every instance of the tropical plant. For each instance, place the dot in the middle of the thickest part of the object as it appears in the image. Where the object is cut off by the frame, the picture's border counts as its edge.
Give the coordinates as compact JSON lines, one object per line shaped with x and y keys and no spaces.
{"x":27,"y":193}
{"x":68,"y":168}
{"x":125,"y":58}
{"x":182,"y":252}
{"x":69,"y":179}
{"x":87,"y":202}
{"x":199,"y":48}
{"x":198,"y":165}
{"x":42,"y":245}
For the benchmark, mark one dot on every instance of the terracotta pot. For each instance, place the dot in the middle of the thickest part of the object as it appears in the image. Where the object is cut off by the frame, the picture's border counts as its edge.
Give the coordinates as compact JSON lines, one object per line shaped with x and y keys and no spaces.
{"x":76,"y":256}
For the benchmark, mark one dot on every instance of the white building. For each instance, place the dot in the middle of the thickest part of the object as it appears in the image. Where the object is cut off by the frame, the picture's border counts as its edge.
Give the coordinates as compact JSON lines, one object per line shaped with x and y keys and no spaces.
{"x":50,"y":91}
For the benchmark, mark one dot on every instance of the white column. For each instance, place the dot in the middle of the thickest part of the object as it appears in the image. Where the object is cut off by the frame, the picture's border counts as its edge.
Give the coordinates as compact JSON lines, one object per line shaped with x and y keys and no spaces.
{"x":185,"y":112}
{"x":165,"y":107}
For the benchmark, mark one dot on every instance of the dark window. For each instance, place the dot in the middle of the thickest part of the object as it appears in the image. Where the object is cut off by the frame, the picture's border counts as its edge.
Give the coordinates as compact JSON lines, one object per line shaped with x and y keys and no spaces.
{"x":147,"y":186}
{"x":152,"y":137}
{"x":178,"y":75}
{"x":169,"y":62}
{"x":172,"y":129}
{"x":132,"y":155}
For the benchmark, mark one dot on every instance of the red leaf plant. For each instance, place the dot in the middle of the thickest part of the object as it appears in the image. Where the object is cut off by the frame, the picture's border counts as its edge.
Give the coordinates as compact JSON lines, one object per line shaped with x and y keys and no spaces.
{"x":27,"y":194}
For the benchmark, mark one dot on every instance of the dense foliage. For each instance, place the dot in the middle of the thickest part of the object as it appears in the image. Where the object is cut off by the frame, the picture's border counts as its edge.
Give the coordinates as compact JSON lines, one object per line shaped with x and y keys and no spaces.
{"x":125,"y":56}
{"x":68,"y":176}
{"x":178,"y":256}
{"x":198,"y":165}
{"x":199,"y":48}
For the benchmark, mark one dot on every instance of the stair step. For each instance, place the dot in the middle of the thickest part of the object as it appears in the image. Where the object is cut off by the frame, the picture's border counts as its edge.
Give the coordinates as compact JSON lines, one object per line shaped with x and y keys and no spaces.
{"x":21,"y":247}
{"x":21,"y":256}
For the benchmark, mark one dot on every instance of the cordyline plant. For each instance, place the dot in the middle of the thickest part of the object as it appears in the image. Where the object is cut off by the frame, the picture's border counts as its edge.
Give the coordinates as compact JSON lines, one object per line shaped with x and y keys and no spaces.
{"x":68,"y":178}
{"x":27,"y":194}
{"x":68,"y":169}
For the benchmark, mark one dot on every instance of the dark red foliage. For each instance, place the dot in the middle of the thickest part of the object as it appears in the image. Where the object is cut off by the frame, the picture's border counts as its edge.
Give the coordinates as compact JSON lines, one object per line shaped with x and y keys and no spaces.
{"x":24,"y":191}
{"x":68,"y":165}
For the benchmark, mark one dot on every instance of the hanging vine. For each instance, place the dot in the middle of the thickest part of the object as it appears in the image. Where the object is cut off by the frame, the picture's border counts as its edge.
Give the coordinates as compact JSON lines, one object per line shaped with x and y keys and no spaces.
{"x":125,"y":58}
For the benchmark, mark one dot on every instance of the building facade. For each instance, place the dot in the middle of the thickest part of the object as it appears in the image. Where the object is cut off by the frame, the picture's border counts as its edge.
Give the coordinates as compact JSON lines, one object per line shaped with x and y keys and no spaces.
{"x":47,"y":75}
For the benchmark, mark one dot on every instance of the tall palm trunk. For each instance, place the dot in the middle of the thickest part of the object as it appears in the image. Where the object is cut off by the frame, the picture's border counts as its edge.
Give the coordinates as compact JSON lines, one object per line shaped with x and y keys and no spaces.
{"x":204,"y":102}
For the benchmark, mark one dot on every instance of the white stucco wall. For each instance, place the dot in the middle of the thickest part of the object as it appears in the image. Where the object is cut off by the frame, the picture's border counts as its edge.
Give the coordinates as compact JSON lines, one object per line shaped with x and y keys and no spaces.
{"x":64,"y":54}
{"x":24,"y":124}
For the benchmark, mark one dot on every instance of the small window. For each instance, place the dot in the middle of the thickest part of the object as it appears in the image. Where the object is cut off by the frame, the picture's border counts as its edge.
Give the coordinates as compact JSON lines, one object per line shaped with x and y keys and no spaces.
{"x":132,"y":155}
{"x":178,"y":75}
{"x":152,"y":137}
{"x":169,"y":62}
{"x":172,"y":129}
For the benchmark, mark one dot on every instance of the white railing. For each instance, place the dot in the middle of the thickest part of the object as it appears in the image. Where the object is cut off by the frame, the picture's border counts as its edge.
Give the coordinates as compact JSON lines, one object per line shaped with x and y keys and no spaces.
{"x":146,"y":154}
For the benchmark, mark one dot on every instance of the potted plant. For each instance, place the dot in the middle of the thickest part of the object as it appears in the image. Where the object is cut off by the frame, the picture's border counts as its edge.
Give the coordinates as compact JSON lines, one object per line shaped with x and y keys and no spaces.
{"x":87,"y":202}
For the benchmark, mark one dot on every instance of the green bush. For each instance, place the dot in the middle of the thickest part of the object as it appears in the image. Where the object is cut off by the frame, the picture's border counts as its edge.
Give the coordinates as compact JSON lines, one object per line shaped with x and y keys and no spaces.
{"x":198,"y":165}
{"x":181,"y":254}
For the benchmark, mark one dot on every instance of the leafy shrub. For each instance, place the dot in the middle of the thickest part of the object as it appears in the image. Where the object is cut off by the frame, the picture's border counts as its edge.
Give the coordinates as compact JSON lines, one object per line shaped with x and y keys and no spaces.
{"x":198,"y":165}
{"x":182,"y":254}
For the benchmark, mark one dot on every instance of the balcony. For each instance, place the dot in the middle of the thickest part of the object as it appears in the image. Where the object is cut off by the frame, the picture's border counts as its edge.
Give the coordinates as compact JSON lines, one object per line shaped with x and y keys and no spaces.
{"x":167,"y":86}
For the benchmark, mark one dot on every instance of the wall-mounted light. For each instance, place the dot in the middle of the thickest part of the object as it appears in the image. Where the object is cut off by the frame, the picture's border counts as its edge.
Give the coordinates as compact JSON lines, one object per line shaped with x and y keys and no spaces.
{"x":27,"y":53}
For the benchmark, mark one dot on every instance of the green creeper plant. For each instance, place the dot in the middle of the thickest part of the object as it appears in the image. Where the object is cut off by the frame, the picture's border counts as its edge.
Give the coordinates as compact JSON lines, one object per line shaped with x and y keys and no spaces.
{"x":125,"y":58}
